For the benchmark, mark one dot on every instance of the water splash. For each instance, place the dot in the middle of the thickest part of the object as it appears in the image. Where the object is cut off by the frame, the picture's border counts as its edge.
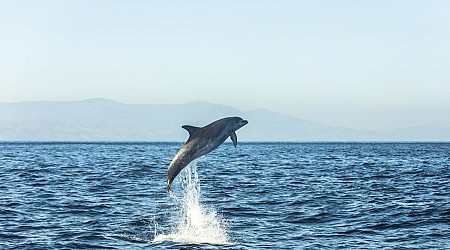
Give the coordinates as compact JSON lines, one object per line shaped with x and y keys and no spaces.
{"x":193,"y":222}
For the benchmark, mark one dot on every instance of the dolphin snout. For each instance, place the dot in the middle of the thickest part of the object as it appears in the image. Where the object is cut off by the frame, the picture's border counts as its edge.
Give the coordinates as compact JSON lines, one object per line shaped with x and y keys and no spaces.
{"x":242,"y":123}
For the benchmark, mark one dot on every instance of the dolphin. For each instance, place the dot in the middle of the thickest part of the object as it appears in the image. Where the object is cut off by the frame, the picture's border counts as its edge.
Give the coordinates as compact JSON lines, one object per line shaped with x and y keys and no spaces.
{"x":202,"y":141}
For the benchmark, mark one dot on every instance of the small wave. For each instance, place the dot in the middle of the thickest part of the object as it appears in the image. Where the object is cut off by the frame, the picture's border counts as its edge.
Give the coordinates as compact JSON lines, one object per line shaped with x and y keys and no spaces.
{"x":129,"y":238}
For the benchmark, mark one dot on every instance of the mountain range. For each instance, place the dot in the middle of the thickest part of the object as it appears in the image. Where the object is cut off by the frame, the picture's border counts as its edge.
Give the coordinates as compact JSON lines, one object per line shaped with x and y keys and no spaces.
{"x":105,"y":120}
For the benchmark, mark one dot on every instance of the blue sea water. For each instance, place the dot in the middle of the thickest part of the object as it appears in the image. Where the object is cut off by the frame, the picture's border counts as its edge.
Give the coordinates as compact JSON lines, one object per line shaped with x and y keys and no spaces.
{"x":258,"y":195}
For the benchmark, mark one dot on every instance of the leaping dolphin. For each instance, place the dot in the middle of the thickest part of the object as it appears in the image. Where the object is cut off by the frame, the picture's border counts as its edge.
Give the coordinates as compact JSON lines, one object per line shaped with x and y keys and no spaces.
{"x":202,"y":141}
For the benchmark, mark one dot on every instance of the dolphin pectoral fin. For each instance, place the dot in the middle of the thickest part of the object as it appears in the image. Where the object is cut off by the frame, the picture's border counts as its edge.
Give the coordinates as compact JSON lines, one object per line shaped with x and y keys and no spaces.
{"x":190,"y":129}
{"x":233,"y":137}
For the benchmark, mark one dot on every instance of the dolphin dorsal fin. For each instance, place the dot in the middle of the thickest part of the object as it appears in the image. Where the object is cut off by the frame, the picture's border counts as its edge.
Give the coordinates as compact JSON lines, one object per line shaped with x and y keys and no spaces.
{"x":233,"y":137}
{"x":190,"y":129}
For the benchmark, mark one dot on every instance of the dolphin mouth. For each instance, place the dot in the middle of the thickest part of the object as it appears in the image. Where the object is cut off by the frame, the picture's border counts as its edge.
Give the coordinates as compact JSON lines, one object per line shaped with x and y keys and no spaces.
{"x":242,"y":123}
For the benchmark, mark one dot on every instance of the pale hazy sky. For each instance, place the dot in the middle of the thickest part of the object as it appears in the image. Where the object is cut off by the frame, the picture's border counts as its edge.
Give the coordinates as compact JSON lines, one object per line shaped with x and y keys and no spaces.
{"x":362,"y":64}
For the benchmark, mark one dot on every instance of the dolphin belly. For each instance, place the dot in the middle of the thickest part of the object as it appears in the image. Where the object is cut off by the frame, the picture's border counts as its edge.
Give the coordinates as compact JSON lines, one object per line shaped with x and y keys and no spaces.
{"x":189,"y":152}
{"x":180,"y":161}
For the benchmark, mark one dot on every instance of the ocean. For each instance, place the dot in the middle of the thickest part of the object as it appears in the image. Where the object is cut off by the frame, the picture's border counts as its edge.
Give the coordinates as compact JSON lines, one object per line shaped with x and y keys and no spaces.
{"x":255,"y":196}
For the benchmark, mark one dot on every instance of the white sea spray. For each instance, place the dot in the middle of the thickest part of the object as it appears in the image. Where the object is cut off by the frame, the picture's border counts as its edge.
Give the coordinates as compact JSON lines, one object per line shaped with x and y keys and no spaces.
{"x":193,"y":222}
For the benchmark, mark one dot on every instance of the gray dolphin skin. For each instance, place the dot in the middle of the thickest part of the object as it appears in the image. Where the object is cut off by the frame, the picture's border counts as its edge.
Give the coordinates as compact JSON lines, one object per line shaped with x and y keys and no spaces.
{"x":202,"y":141}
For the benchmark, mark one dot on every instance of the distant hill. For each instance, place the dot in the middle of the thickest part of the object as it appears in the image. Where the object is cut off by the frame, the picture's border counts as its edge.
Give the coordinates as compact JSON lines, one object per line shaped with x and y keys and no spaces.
{"x":106,"y":120}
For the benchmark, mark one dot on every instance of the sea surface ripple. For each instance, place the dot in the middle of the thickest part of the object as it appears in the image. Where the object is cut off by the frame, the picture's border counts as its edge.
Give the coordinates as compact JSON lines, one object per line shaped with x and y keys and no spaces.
{"x":260,"y":195}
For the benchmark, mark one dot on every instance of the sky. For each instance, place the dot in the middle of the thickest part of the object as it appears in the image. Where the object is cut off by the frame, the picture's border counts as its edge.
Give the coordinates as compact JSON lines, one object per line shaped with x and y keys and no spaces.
{"x":361,"y":64}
